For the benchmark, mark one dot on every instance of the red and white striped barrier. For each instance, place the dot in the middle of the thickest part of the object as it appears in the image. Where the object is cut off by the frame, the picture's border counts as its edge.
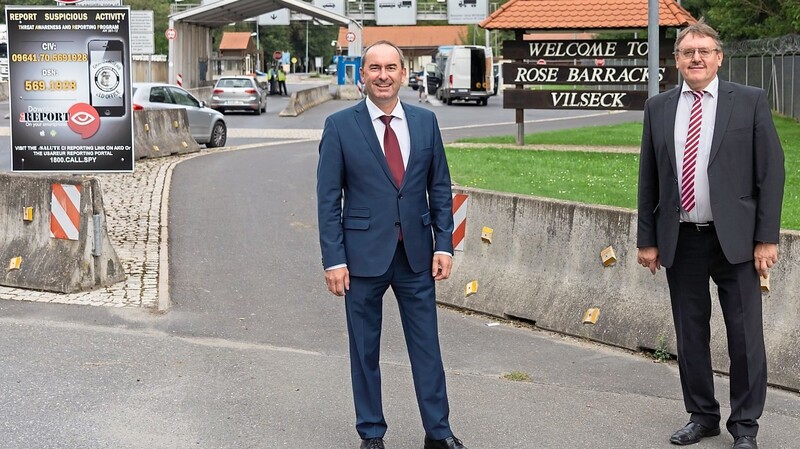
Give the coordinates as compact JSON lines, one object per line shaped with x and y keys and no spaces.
{"x":179,"y":80}
{"x":459,"y":220}
{"x":65,"y":215}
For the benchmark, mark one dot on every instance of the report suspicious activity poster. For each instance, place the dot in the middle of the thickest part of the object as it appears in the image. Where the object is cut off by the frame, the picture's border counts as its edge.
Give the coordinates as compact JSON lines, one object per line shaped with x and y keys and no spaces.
{"x":70,"y":89}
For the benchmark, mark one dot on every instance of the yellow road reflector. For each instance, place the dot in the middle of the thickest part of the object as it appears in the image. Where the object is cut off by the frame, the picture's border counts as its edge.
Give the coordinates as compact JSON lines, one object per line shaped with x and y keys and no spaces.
{"x":764,"y":283}
{"x":15,"y":263}
{"x":147,"y":127}
{"x":27,"y":213}
{"x":155,"y":148}
{"x":486,"y":234}
{"x":591,"y":315}
{"x":184,"y":144}
{"x":608,"y":256}
{"x":174,"y":123}
{"x":471,"y":289}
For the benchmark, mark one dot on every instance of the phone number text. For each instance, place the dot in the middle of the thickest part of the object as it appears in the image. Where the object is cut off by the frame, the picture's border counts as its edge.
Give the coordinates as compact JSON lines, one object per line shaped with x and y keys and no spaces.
{"x":49,"y":57}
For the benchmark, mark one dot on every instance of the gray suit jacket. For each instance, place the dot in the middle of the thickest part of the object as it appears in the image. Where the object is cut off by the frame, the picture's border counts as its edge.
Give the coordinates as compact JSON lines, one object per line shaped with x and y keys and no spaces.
{"x":745,"y":174}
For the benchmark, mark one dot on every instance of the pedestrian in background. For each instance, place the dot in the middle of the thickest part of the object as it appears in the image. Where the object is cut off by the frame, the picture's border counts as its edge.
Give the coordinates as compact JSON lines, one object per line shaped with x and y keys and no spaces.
{"x":385,"y":220}
{"x":422,"y":85}
{"x":282,"y":82}
{"x":711,"y":183}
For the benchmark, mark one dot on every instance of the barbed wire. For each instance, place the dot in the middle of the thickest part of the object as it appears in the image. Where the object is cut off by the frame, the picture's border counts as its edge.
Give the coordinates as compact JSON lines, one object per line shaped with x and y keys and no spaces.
{"x":784,"y":45}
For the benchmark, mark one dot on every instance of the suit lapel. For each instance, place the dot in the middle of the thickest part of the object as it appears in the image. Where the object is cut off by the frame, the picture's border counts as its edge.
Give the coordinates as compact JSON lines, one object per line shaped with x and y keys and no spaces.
{"x":413,"y":122}
{"x":724,"y":109}
{"x":670,"y":109}
{"x":365,"y":124}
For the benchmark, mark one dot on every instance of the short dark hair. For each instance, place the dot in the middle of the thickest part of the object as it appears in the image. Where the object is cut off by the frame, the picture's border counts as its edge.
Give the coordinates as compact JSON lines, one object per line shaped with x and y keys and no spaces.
{"x":384,"y":42}
{"x":700,"y":28}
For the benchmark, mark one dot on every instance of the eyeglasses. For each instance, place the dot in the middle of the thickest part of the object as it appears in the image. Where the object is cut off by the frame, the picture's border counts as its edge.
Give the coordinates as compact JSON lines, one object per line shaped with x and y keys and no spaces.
{"x":688,"y":53}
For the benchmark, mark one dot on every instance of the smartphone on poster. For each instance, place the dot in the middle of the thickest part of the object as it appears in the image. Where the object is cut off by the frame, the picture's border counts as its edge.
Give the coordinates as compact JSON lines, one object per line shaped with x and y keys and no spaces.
{"x":107,"y":77}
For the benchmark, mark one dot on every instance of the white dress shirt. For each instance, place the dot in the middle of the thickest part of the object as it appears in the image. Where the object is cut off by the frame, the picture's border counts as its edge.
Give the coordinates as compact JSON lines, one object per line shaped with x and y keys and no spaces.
{"x":702,"y":209}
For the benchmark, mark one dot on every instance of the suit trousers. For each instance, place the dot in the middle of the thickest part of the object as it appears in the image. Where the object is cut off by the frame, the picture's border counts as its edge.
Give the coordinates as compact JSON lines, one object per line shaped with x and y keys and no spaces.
{"x":699,"y":257}
{"x":416,"y":299}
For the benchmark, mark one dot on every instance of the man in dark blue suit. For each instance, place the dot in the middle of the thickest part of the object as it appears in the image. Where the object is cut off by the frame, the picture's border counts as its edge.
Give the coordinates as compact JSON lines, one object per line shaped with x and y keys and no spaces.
{"x":385,"y":219}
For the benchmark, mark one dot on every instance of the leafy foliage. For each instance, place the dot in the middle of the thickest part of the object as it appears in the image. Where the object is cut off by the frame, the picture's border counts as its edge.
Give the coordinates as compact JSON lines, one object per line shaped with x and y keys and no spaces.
{"x":748,"y":19}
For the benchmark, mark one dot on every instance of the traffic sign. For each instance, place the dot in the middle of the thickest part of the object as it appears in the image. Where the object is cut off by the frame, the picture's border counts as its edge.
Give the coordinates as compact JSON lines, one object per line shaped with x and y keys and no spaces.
{"x":277,"y":55}
{"x":350,"y":36}
{"x":171,"y":33}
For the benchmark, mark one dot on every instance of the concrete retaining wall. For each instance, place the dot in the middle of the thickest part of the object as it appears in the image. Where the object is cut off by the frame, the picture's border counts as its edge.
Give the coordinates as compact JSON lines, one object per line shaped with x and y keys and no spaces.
{"x":162,"y":132}
{"x":544,"y":265}
{"x":302,"y":100}
{"x":47,"y":263}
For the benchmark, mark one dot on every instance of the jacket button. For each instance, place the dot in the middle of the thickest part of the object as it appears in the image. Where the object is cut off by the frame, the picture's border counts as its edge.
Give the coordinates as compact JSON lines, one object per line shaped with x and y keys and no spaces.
{"x":397,"y":224}
{"x":399,"y":195}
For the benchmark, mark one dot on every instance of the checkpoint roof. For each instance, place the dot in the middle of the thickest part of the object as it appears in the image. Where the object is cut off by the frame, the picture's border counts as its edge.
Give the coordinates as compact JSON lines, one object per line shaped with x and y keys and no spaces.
{"x":407,"y":37}
{"x":583,"y":15}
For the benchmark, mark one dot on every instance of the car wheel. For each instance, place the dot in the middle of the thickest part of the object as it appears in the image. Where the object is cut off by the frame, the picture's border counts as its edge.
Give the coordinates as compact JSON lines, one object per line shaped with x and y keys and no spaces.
{"x":449,"y":101}
{"x":219,"y":135}
{"x":415,"y":87}
{"x":258,"y":110}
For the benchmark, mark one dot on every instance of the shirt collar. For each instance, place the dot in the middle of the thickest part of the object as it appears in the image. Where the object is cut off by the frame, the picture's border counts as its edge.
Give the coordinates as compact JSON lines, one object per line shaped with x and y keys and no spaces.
{"x":711,"y":89}
{"x":375,"y":112}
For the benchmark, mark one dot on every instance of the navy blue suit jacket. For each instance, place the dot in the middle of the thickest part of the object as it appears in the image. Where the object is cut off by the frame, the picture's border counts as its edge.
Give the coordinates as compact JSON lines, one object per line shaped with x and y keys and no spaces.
{"x":360,"y":208}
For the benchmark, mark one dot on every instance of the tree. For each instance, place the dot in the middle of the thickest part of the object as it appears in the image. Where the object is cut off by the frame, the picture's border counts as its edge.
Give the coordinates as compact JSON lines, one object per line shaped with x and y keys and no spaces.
{"x":748,"y":19}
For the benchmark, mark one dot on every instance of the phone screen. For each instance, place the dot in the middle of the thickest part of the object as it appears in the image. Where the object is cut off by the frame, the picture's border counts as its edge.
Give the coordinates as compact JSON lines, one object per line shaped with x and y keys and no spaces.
{"x":107,"y":77}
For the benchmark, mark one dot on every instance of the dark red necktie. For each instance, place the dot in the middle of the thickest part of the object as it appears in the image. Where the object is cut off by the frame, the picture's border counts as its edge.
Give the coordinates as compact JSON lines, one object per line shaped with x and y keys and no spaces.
{"x":391,"y":148}
{"x":690,"y":153}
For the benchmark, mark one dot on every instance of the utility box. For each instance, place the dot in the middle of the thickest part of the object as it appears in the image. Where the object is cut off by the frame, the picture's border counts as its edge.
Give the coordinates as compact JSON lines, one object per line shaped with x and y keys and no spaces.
{"x":348,"y":70}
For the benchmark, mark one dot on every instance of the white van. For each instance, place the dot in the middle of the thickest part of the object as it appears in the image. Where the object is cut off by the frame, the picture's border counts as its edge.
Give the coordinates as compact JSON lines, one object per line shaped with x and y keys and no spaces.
{"x":465,"y":74}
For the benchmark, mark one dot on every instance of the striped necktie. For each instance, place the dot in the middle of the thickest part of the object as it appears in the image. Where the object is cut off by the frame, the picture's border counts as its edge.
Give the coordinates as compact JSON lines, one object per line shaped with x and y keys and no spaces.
{"x":690,"y":153}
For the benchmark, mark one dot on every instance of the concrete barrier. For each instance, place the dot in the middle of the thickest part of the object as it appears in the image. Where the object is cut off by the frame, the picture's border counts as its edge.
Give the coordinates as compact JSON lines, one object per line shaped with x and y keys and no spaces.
{"x":303,"y":100}
{"x":162,"y":132}
{"x":4,"y":91}
{"x":32,"y":259}
{"x":347,"y":92}
{"x":543,"y":265}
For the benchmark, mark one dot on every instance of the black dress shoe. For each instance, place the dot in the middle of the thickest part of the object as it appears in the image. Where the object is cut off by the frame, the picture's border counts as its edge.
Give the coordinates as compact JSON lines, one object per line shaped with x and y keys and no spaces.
{"x":372,"y":443}
{"x":745,"y":442}
{"x":692,"y":433}
{"x":447,"y":443}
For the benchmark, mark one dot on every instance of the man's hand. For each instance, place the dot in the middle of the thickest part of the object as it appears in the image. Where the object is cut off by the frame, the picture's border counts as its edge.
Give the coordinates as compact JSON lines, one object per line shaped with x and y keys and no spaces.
{"x":765,"y":255}
{"x":441,"y":266}
{"x":648,"y":257}
{"x":338,"y":280}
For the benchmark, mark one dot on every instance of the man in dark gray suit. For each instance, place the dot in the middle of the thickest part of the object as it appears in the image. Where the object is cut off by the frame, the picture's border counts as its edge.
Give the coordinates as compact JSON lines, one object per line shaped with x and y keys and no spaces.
{"x":711,"y":181}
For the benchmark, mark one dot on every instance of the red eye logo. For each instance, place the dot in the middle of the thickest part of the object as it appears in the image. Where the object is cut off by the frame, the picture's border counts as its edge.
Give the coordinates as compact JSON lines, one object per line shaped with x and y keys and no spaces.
{"x":68,"y":2}
{"x":83,"y":120}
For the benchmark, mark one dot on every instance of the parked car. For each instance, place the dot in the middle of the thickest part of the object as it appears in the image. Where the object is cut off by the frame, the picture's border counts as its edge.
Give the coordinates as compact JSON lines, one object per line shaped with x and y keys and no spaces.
{"x":206,"y":125}
{"x":238,"y":92}
{"x":414,"y":78}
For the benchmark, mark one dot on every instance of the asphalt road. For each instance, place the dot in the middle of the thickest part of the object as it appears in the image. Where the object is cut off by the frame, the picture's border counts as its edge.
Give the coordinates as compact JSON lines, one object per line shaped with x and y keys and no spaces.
{"x":253,"y":352}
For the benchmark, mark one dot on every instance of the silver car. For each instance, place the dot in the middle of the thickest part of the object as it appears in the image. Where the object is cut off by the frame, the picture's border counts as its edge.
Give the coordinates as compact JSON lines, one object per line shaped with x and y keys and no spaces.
{"x":238,"y":92}
{"x":206,"y":125}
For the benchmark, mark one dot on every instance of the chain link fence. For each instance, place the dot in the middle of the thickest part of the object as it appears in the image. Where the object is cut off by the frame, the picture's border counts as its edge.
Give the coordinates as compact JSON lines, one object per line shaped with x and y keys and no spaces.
{"x":771,"y":64}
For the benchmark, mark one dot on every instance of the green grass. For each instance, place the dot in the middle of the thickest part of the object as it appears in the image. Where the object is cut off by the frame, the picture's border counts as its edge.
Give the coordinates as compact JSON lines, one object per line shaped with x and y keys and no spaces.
{"x":623,"y":134}
{"x":595,"y":178}
{"x":517,"y":376}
